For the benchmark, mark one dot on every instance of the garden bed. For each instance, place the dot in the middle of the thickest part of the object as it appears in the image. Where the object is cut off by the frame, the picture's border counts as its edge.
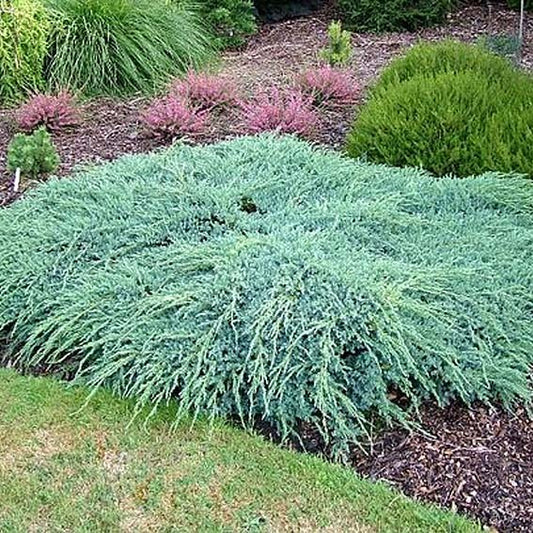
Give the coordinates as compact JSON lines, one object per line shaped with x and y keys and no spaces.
{"x":478,"y":460}
{"x":274,"y":56}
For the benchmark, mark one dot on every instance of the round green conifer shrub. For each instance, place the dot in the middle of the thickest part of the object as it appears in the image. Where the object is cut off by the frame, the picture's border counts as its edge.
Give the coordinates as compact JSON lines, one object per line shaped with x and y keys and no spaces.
{"x":119,"y":47}
{"x":33,"y":154}
{"x":459,"y":116}
{"x":265,"y":279}
{"x":448,"y":56}
{"x":394,"y":15}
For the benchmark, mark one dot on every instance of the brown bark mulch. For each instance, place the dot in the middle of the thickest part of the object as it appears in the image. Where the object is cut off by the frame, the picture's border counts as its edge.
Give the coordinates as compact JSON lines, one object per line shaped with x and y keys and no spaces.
{"x":477,"y":460}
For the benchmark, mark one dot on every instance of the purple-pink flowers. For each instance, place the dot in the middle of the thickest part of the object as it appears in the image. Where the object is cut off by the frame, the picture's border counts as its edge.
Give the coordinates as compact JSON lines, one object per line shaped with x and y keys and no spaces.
{"x":328,"y":84}
{"x":190,"y":102}
{"x":185,"y":109}
{"x":172,"y":116}
{"x":285,"y":111}
{"x":204,"y":90}
{"x":54,"y":112}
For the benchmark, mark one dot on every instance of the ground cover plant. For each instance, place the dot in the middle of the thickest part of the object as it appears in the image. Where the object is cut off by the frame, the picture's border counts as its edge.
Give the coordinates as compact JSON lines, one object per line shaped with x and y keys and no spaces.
{"x":24,"y":26}
{"x":171,"y":116}
{"x":262,"y":278}
{"x":204,"y":90}
{"x":121,"y":47}
{"x":450,"y":108}
{"x":132,"y":477}
{"x":329,"y":85}
{"x":285,"y":110}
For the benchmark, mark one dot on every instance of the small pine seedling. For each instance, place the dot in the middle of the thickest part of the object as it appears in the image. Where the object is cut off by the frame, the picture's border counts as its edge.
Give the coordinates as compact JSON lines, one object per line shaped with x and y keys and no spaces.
{"x":33,"y":154}
{"x":339,"y":49}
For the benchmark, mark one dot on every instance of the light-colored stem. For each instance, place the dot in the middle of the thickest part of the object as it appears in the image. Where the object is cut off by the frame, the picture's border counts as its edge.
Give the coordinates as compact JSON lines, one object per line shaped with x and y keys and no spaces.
{"x":16,"y":183}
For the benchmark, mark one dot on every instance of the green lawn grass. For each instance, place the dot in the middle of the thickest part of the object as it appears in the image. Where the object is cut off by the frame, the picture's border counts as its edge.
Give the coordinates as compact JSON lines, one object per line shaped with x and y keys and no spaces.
{"x":63,"y":468}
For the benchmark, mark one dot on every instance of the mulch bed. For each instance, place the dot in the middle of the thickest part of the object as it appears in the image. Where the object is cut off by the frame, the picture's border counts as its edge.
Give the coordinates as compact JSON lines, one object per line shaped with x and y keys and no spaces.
{"x":478,"y":460}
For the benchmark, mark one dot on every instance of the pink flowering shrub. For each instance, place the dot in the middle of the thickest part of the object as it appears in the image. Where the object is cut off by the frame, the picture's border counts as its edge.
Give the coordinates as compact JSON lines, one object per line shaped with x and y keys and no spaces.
{"x":171,"y":116}
{"x":328,"y":84}
{"x":204,"y":90}
{"x":54,"y":112}
{"x":287,"y":111}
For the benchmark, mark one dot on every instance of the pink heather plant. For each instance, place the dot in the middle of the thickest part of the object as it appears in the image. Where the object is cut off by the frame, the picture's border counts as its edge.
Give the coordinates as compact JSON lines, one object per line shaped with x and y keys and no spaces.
{"x":286,"y":111}
{"x":171,"y":116}
{"x":54,"y":112}
{"x":329,"y":84}
{"x":204,"y":90}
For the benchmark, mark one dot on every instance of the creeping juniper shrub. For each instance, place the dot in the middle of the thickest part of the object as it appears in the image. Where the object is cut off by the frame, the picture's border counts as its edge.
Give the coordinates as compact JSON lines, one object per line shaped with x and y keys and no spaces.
{"x":503,"y":45}
{"x":263,"y":278}
{"x":33,"y":154}
{"x":460,"y":117}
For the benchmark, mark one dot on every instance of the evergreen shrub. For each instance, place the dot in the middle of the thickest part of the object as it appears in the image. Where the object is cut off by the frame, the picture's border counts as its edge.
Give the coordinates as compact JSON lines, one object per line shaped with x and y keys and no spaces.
{"x":451,"y":109}
{"x":34,"y":154}
{"x":263,"y":278}
{"x":230,"y":20}
{"x":394,"y":15}
{"x":24,"y":27}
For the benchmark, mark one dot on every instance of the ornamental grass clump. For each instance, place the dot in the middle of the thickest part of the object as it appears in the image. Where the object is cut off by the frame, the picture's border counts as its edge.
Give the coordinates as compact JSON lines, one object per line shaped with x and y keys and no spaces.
{"x":264,"y":279}
{"x":119,"y":47}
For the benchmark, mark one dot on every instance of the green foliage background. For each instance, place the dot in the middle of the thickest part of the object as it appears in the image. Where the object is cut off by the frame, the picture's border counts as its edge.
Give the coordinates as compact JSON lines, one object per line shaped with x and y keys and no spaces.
{"x":264,"y":278}
{"x":24,"y":26}
{"x":123,"y":46}
{"x":231,"y":20}
{"x":394,"y":15}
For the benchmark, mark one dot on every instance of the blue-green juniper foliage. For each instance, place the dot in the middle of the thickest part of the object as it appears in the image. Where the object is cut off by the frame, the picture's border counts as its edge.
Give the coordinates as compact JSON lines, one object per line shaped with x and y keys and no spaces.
{"x":263,"y":277}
